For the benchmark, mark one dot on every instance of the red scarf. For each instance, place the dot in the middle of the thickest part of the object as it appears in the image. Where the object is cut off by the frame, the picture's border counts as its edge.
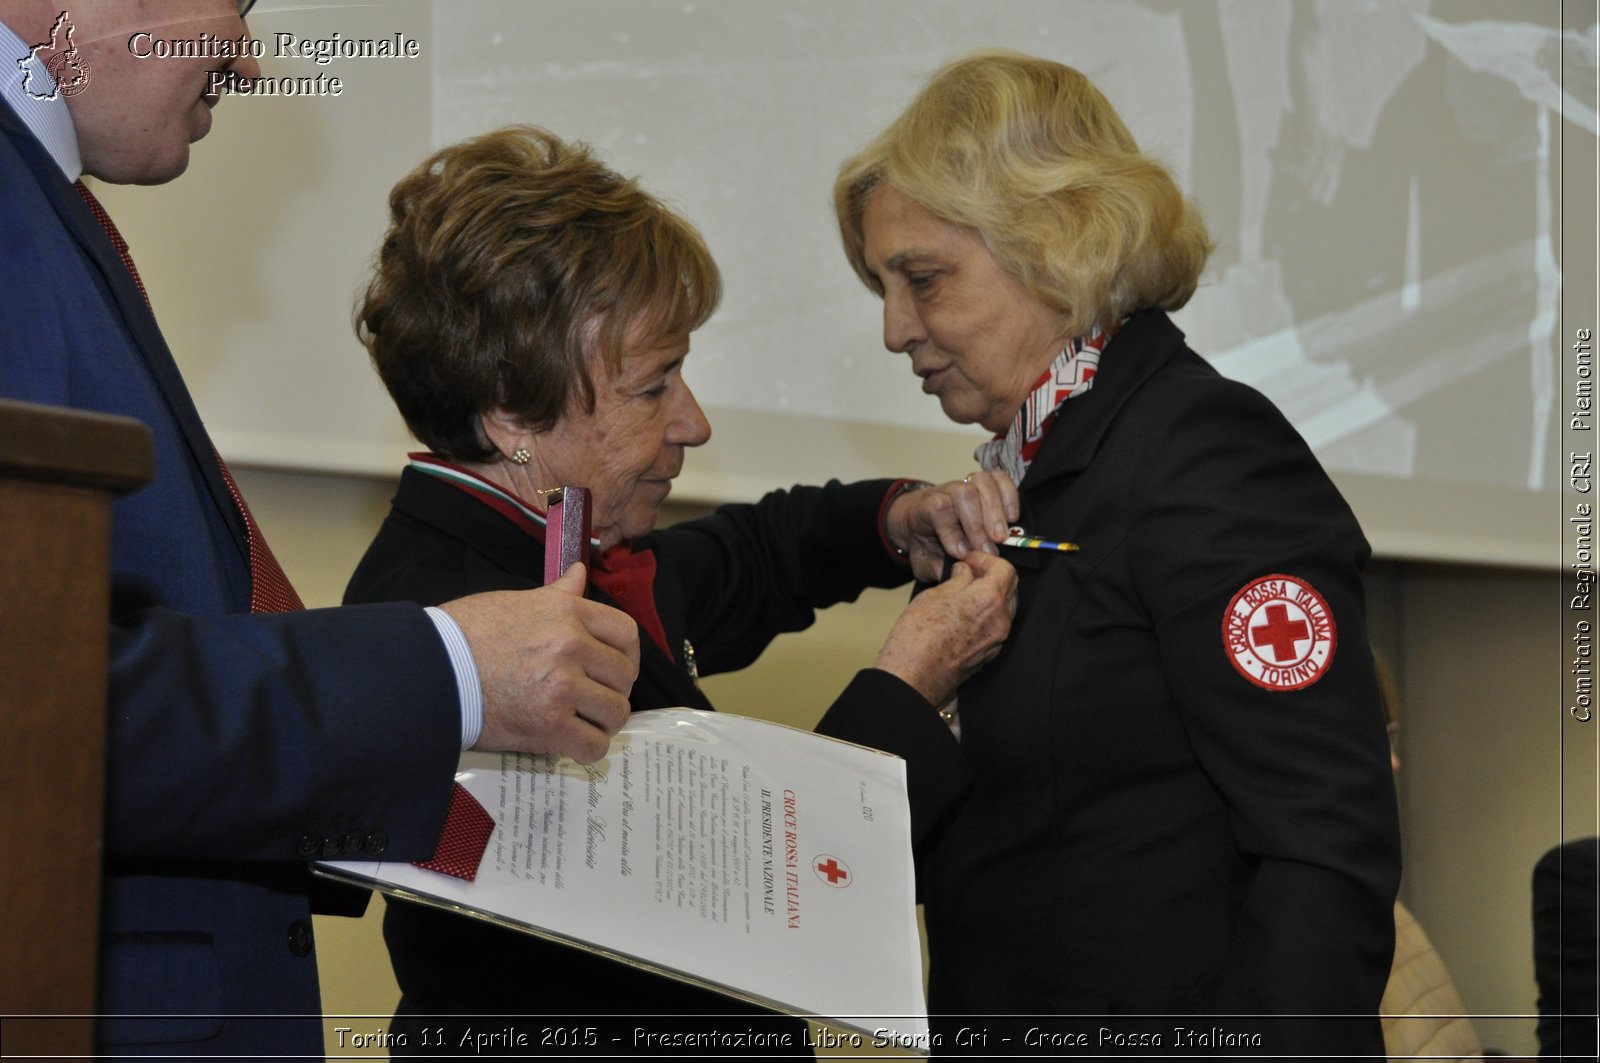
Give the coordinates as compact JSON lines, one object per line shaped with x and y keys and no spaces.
{"x":628,"y":577}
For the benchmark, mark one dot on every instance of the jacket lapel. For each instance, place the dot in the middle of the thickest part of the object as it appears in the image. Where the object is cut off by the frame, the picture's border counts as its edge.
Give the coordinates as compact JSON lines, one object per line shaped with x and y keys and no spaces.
{"x":1146,"y":342}
{"x":86,"y":232}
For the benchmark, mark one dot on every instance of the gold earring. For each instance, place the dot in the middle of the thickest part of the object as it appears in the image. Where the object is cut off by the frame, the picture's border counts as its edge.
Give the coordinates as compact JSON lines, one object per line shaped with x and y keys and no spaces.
{"x":521,"y":455}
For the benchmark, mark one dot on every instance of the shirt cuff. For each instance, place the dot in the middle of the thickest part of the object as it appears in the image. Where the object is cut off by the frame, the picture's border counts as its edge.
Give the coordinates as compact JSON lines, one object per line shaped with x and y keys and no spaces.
{"x":470,"y":693}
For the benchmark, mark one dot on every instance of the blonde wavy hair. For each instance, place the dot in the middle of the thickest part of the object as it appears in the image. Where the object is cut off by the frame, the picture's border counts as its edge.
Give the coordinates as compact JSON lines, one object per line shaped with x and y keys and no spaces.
{"x":1031,"y":155}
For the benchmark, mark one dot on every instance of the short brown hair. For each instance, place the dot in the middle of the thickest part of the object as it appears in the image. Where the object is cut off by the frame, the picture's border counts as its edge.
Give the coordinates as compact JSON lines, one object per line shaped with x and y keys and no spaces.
{"x":512,"y":261}
{"x":1031,"y":155}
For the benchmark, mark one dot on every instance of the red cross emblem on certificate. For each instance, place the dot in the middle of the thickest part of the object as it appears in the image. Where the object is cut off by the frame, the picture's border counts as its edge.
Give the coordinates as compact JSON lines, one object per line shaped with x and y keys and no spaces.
{"x":1279,"y":632}
{"x":831,"y":870}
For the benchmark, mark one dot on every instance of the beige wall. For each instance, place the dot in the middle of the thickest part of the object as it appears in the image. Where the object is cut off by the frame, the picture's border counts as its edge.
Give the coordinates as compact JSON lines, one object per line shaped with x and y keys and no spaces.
{"x":1478,"y":654}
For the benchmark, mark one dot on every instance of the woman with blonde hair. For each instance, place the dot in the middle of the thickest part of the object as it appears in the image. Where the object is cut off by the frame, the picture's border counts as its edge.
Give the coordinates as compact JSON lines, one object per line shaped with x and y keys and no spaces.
{"x":1181,"y":830}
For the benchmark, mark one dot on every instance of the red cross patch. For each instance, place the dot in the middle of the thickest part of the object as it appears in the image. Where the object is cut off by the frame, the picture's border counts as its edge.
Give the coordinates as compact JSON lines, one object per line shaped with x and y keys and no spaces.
{"x":1279,"y":632}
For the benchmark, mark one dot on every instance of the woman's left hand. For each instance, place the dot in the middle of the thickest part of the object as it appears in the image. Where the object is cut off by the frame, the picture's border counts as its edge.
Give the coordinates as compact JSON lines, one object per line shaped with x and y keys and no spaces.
{"x":952,"y":520}
{"x":950,"y":631}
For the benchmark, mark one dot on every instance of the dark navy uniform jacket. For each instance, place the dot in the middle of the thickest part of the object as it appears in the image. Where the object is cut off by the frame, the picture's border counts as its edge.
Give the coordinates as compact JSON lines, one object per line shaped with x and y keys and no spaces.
{"x":1181,"y":804}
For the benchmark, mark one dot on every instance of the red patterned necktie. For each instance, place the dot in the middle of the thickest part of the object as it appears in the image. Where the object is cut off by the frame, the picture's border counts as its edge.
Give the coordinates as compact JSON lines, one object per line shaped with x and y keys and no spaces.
{"x":270,"y":590}
{"x":467,"y":828}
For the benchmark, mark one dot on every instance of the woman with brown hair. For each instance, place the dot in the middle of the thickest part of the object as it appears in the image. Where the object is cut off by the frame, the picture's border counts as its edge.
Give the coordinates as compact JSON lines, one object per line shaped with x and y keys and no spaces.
{"x":530,"y":314}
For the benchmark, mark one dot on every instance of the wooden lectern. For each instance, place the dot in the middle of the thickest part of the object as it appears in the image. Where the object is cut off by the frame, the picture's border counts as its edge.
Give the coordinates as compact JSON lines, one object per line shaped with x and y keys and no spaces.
{"x":59,"y":471}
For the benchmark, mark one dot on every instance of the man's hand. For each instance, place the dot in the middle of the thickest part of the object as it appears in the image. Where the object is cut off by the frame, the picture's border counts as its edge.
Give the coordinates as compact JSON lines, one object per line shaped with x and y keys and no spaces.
{"x":950,"y":631}
{"x":952,"y":520}
{"x":556,"y":668}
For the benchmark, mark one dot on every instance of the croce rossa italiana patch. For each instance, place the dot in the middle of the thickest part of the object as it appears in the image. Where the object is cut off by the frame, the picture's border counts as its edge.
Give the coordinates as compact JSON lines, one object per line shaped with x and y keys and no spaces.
{"x":1279,"y":632}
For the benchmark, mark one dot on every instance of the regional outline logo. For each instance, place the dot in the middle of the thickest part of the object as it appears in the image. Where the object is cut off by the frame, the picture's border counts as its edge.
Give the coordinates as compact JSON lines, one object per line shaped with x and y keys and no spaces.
{"x":67,"y":68}
{"x":1279,"y":632}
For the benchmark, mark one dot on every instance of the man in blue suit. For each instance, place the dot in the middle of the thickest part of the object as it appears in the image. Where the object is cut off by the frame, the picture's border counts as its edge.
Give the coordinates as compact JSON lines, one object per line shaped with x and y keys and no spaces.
{"x":240,"y":744}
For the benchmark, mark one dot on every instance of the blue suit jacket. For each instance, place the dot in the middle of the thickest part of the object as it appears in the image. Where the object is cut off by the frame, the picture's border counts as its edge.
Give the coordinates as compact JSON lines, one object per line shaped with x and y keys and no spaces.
{"x":239,"y":745}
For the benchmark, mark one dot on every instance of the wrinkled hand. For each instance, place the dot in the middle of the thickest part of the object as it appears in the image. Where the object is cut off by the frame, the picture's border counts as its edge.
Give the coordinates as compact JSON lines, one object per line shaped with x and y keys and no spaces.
{"x":556,"y":668}
{"x":950,"y":631}
{"x":952,"y":520}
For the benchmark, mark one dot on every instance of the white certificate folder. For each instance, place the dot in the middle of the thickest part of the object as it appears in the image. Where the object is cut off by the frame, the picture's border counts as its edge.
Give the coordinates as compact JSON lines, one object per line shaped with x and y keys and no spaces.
{"x":766,"y":862}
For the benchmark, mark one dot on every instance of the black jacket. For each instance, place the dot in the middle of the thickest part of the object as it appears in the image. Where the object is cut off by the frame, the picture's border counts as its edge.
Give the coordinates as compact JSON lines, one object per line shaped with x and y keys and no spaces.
{"x":1150,"y":830}
{"x":728,"y":583}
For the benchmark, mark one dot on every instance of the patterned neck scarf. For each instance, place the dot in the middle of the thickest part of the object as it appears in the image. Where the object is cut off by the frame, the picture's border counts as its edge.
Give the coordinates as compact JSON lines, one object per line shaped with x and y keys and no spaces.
{"x":1070,"y":375}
